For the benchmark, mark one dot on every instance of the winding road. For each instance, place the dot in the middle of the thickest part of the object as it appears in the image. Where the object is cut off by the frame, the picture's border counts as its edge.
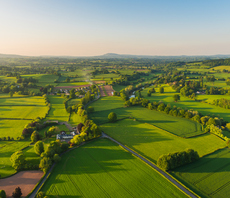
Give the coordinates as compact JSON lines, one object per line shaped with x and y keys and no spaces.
{"x":182,"y":188}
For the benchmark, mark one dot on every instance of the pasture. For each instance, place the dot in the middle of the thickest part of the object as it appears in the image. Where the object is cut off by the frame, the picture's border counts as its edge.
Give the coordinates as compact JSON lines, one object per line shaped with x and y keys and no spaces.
{"x":103,"y":169}
{"x":7,"y":148}
{"x":8,"y":79}
{"x":187,"y":103}
{"x":175,"y":125}
{"x":63,"y":84}
{"x":210,"y":174}
{"x":153,"y":142}
{"x":57,"y":111}
{"x":43,"y":79}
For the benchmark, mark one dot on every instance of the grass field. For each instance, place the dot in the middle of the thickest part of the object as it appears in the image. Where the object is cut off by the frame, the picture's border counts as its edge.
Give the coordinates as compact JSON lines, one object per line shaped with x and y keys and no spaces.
{"x":106,"y":103}
{"x":105,"y":77}
{"x":186,"y":103}
{"x":7,"y":148}
{"x":8,"y":79}
{"x":72,"y":84}
{"x":73,"y":101}
{"x":43,"y":79}
{"x":211,"y":174}
{"x":103,"y":169}
{"x":57,"y":111}
{"x":118,"y":88}
{"x":153,"y":142}
{"x":176,"y":125}
{"x":75,"y":119}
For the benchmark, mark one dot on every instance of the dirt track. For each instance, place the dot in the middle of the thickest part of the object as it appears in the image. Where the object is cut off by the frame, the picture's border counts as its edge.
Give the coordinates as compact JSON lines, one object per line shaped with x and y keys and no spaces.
{"x":26,"y":180}
{"x":102,"y":91}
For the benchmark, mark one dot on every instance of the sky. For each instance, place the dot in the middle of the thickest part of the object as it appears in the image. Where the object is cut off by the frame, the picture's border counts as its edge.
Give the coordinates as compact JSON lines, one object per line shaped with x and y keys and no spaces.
{"x":96,"y":27}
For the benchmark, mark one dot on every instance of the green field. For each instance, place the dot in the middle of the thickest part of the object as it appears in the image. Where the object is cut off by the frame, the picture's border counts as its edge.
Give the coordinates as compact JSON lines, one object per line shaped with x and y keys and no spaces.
{"x":7,"y":148}
{"x":210,"y":175}
{"x":73,"y":101}
{"x":43,"y":79}
{"x":8,"y":79}
{"x":103,"y":169}
{"x":72,"y":84}
{"x":186,"y":103}
{"x":175,"y":125}
{"x":57,"y":111}
{"x":75,"y":119}
{"x":153,"y":142}
{"x":118,"y":88}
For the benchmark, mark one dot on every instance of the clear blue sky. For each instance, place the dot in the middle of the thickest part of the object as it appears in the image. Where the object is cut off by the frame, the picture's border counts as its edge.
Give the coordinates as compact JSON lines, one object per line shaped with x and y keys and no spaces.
{"x":95,"y":27}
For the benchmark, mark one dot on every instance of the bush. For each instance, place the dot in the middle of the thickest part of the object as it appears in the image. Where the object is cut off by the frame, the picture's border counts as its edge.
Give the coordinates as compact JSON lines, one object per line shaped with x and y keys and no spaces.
{"x":112,"y":117}
{"x":35,"y":136}
{"x":45,"y":164}
{"x":17,"y":193}
{"x":18,"y":160}
{"x":56,"y":158}
{"x":2,"y":194}
{"x":39,"y":148}
{"x":40,"y":195}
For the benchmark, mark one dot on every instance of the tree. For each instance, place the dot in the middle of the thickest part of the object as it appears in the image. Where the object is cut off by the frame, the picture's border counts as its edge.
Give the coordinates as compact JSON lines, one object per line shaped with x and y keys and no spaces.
{"x":39,"y":147}
{"x":56,"y":158}
{"x":45,"y":164}
{"x":161,"y":90}
{"x":176,"y":97}
{"x":18,"y":160}
{"x":2,"y":194}
{"x":11,"y":93}
{"x":112,"y":117}
{"x":35,"y":136}
{"x":40,"y":195}
{"x":17,"y":193}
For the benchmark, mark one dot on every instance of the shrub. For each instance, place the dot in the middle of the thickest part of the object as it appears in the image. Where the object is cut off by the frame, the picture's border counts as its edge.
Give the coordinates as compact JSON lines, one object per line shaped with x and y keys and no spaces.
{"x":112,"y":117}
{"x":56,"y":158}
{"x":40,"y":195}
{"x":2,"y":194}
{"x":18,"y":160}
{"x":39,"y":148}
{"x":45,"y":164}
{"x":17,"y":193}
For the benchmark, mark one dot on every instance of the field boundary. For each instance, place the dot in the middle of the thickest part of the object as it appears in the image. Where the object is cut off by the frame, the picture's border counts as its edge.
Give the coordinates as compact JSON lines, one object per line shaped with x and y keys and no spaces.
{"x":170,"y":178}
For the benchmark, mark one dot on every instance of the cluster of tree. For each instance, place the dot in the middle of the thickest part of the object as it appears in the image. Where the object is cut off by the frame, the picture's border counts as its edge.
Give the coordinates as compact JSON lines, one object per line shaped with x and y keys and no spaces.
{"x":8,"y":138}
{"x":218,"y":62}
{"x":210,"y":78}
{"x":217,"y":91}
{"x":216,"y":130}
{"x":177,"y":159}
{"x":223,"y":102}
{"x":46,"y":89}
{"x":150,"y":91}
{"x":51,"y":154}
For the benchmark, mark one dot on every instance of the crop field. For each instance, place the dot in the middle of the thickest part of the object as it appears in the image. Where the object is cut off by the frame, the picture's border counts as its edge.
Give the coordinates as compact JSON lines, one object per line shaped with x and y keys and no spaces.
{"x":103,"y":169}
{"x":7,"y":148}
{"x":153,"y":142}
{"x":57,"y":111}
{"x":43,"y":79}
{"x":210,"y":174}
{"x":186,"y":103}
{"x":175,"y":125}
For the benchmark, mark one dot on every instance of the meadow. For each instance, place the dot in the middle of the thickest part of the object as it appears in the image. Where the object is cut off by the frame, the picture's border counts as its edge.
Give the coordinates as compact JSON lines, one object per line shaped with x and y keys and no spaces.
{"x":103,"y":169}
{"x":8,"y":79}
{"x":43,"y":79}
{"x":57,"y":111}
{"x":210,"y":175}
{"x":153,"y":142}
{"x":175,"y":125}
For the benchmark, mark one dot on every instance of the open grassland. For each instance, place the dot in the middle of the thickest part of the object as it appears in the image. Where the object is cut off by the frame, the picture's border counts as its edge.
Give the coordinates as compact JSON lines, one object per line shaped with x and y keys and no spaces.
{"x":186,"y":103}
{"x":57,"y":111}
{"x":12,"y":128}
{"x":75,"y":119}
{"x":105,"y":77}
{"x":153,"y":142}
{"x":103,"y":169}
{"x":210,"y":98}
{"x":8,"y":79}
{"x":175,"y":125}
{"x":7,"y":148}
{"x":72,"y":84}
{"x":118,"y":88}
{"x":43,"y":79}
{"x":226,"y":67}
{"x":107,"y":103}
{"x":210,"y":175}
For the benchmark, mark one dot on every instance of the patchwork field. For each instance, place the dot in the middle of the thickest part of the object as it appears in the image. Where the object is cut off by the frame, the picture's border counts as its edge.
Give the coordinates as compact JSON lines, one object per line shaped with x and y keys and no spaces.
{"x":153,"y":142}
{"x":57,"y":111}
{"x":103,"y":169}
{"x":175,"y":125}
{"x":211,"y":174}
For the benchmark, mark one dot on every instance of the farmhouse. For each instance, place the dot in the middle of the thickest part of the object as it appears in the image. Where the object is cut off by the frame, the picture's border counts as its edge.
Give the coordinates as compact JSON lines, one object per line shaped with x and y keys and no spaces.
{"x":66,"y":137}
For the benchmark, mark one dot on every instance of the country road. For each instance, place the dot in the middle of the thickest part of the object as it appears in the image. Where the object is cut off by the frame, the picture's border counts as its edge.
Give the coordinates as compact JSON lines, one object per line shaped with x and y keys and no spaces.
{"x":185,"y":190}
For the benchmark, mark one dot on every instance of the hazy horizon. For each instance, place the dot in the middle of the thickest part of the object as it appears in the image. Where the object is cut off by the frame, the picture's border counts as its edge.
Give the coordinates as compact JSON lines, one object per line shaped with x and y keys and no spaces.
{"x":93,"y":28}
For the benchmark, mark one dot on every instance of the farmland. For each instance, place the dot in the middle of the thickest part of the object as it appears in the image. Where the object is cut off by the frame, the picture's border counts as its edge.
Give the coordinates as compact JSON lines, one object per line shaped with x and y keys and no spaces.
{"x":175,"y":125}
{"x":210,"y":174}
{"x":102,"y":169}
{"x":57,"y":111}
{"x":153,"y":142}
